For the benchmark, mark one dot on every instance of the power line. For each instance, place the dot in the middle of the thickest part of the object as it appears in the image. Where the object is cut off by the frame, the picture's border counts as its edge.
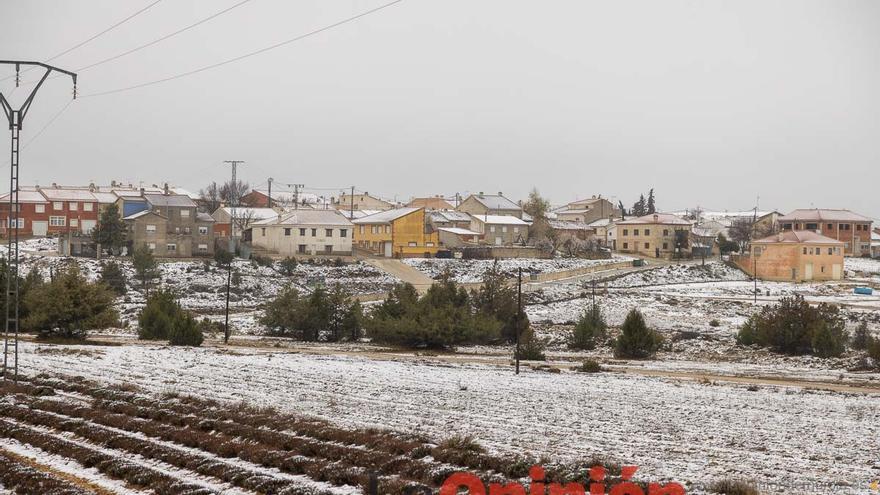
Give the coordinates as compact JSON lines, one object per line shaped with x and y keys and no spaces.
{"x":46,"y":126}
{"x":82,"y":43}
{"x":246,"y":55}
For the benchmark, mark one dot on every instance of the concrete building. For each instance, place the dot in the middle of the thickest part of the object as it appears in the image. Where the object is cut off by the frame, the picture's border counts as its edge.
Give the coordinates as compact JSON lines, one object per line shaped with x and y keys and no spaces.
{"x":795,"y":256}
{"x":171,"y":226}
{"x":455,"y":237}
{"x":449,"y":218}
{"x":361,"y":202}
{"x":657,"y":235}
{"x":500,"y":230}
{"x":852,"y":229}
{"x":587,"y":210}
{"x":490,"y":204}
{"x":245,"y":217}
{"x":606,"y":232}
{"x":430,"y":204}
{"x":398,"y":233}
{"x":304,"y":232}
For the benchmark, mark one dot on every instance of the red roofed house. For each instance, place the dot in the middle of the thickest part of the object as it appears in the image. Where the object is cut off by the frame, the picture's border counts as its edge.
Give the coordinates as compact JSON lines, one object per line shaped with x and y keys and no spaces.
{"x":794,"y":256}
{"x":33,"y":216}
{"x":852,"y":229}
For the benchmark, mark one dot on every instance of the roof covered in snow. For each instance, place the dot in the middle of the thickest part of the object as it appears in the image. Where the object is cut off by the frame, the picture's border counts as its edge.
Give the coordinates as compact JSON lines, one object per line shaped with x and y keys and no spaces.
{"x":175,"y":200}
{"x":58,"y":194}
{"x":25,"y":197}
{"x":450,"y":216}
{"x":434,"y":203}
{"x":387,"y":216}
{"x":500,"y":220}
{"x":307,"y":217}
{"x":495,"y":202}
{"x":824,"y":215}
{"x":655,"y":218}
{"x":458,"y":231}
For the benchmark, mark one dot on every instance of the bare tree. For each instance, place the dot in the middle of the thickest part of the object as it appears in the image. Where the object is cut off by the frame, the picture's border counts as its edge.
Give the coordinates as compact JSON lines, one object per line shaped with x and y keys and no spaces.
{"x":244,"y":217}
{"x":740,"y":231}
{"x":210,"y":198}
{"x":231,"y":192}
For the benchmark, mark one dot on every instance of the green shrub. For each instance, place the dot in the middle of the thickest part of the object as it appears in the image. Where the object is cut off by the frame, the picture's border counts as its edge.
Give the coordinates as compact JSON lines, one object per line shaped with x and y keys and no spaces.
{"x":114,"y":277}
{"x":287,"y":266}
{"x":590,"y":366}
{"x":185,"y":331}
{"x":874,"y":351}
{"x":861,"y":338}
{"x":158,"y":316}
{"x":531,"y":348}
{"x":69,"y":306}
{"x":794,"y":327}
{"x":589,"y":330}
{"x":714,"y":323}
{"x":730,"y":486}
{"x":636,"y":340}
{"x":146,"y":268}
{"x":261,"y":260}
{"x":223,"y":257}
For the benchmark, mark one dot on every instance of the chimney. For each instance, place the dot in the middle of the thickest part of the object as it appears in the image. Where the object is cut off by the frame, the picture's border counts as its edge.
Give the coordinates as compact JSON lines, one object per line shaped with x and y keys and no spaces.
{"x":92,"y":187}
{"x":112,"y":183}
{"x":481,"y":193}
{"x":142,"y":191}
{"x":54,"y":186}
{"x":500,"y":193}
{"x":656,"y":218}
{"x":594,"y":196}
{"x":167,"y":192}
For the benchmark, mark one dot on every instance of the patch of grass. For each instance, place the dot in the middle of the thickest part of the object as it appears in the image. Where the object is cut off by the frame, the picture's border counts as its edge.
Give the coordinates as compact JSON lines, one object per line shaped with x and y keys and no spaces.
{"x":590,"y":366}
{"x":714,"y":323}
{"x":730,"y":486}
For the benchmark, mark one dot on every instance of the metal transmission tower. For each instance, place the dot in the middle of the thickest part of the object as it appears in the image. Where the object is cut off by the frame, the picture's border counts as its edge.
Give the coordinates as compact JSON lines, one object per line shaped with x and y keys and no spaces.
{"x":233,"y":199}
{"x":16,"y":119}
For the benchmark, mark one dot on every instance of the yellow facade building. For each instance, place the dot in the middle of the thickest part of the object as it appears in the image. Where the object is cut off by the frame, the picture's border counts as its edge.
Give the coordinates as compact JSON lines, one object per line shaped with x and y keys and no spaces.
{"x":398,"y":233}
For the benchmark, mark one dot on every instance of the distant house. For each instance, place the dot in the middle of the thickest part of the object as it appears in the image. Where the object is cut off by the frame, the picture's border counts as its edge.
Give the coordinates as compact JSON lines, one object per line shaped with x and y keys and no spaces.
{"x":852,"y":229}
{"x":70,"y":210}
{"x":398,"y":233}
{"x":579,"y":230}
{"x":245,"y":216}
{"x":490,"y":204}
{"x":796,"y":256}
{"x":449,"y":218}
{"x":361,"y":202}
{"x":33,"y":214}
{"x":702,"y":241}
{"x":171,"y":226}
{"x":606,"y":232}
{"x":501,"y":230}
{"x":304,"y":232}
{"x":587,"y":210}
{"x":659,"y":235}
{"x":259,"y":198}
{"x":430,"y":204}
{"x":456,"y":237}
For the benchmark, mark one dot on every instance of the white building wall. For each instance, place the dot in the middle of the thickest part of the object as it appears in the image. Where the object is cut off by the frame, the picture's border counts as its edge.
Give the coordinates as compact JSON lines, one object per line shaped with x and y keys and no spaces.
{"x":273,"y":238}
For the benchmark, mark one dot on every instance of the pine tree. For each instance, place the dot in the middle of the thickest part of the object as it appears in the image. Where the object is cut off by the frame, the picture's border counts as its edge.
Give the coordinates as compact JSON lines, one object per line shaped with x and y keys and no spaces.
{"x":185,"y":331}
{"x":639,"y":208}
{"x":69,"y":306}
{"x":110,"y":231}
{"x":622,"y":210}
{"x":636,"y":340}
{"x":159,"y":316}
{"x":497,"y":299}
{"x":114,"y":277}
{"x":861,"y":338}
{"x":590,"y":329}
{"x":650,"y":208}
{"x":146,"y":268}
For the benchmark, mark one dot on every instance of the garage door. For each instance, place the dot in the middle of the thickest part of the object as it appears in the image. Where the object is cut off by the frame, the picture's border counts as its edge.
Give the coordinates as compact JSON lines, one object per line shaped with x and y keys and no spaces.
{"x":40,"y":227}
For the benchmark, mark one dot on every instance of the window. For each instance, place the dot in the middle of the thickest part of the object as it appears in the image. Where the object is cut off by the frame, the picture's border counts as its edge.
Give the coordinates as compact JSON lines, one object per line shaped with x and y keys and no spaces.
{"x":74,"y":222}
{"x":429,"y":244}
{"x":57,"y":206}
{"x":176,"y":230}
{"x":57,"y":221}
{"x":328,"y":248}
{"x":314,"y":232}
{"x":171,"y":248}
{"x":491,"y":228}
{"x":647,"y":232}
{"x":302,"y":232}
{"x":845,"y":226}
{"x":184,"y":213}
{"x":786,"y":226}
{"x":361,"y":229}
{"x":830,"y":251}
{"x":625,"y":231}
{"x":805,"y":250}
{"x":830,"y":226}
{"x":625,"y":244}
{"x":411,"y":244}
{"x":665,"y":232}
{"x":636,"y":232}
{"x":74,"y":206}
{"x":151,"y":229}
{"x":151,"y":246}
{"x":88,"y":206}
{"x":203,"y":247}
{"x":262,"y":231}
{"x":328,"y":232}
{"x":647,"y":245}
{"x":40,"y":208}
{"x":387,"y":229}
{"x":516,"y":230}
{"x":203,"y":230}
{"x":287,"y":231}
{"x":812,"y":226}
{"x":187,"y":231}
{"x":343,"y":232}
{"x":301,"y":249}
{"x":504,"y":229}
{"x":665,"y":245}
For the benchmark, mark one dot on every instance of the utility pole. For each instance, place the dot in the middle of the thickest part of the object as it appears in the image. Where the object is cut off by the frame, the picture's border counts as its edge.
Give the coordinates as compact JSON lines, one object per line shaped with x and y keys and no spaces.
{"x":233,"y":200}
{"x":270,"y":191}
{"x":518,"y":313}
{"x":296,"y":188}
{"x":351,"y":208}
{"x":752,"y":249}
{"x":228,"y":283}
{"x":16,"y":119}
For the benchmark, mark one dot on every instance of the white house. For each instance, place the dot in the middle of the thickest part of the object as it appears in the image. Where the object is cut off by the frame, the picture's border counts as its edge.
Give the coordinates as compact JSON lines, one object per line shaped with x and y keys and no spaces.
{"x":500,"y":230}
{"x":304,"y":232}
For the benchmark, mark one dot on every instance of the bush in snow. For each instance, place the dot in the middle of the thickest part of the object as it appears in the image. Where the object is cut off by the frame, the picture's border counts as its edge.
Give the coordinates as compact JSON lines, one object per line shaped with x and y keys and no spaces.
{"x":730,"y":486}
{"x":794,"y":327}
{"x":531,"y":347}
{"x":330,"y":316}
{"x":636,"y":340}
{"x":114,"y":277}
{"x":223,"y":257}
{"x":287,"y":266}
{"x":146,"y":268}
{"x":874,"y":351}
{"x":69,"y":306}
{"x":261,"y":260}
{"x":589,"y":330}
{"x":158,"y":316}
{"x":497,"y":299}
{"x":590,"y":366}
{"x":441,"y":318}
{"x":861,"y":338}
{"x":185,"y":331}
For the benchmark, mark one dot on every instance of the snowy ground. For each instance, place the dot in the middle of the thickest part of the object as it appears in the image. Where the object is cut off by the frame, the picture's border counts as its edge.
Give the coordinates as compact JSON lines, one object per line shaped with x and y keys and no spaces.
{"x":686,"y":431}
{"x":469,"y":271}
{"x":862,"y":269}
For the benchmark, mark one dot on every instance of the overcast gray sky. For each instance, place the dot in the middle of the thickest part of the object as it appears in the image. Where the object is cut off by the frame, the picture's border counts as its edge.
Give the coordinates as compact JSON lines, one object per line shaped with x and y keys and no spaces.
{"x":710,"y":103}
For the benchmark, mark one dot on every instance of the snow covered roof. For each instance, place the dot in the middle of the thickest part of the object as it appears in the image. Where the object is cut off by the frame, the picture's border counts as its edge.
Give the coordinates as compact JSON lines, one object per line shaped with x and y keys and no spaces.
{"x":185,"y":192}
{"x":568,"y":225}
{"x":252,"y":213}
{"x":177,"y":200}
{"x":387,"y":216}
{"x":798,"y":237}
{"x":307,"y":217}
{"x":703,"y":232}
{"x":500,"y":219}
{"x":495,"y":202}
{"x":204,"y":217}
{"x":25,"y":196}
{"x":458,"y":231}
{"x":143,"y":213}
{"x":434,"y":203}
{"x":602,"y":222}
{"x":57,"y":194}
{"x":824,"y":215}
{"x":656,"y":218}
{"x":450,"y":216}
{"x":105,"y":197}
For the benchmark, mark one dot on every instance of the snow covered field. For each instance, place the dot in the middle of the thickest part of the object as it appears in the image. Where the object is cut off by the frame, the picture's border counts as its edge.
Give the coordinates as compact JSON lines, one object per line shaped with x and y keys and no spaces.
{"x":685,"y":431}
{"x":469,"y":271}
